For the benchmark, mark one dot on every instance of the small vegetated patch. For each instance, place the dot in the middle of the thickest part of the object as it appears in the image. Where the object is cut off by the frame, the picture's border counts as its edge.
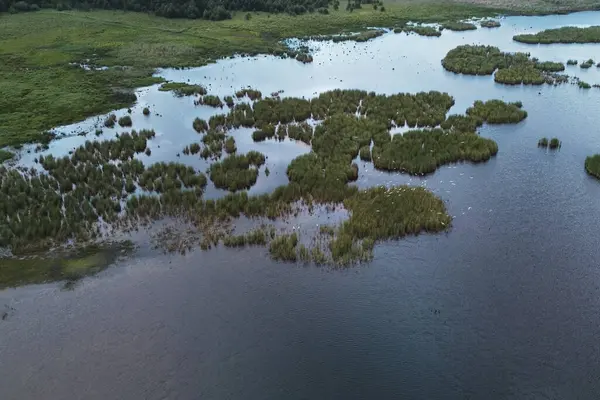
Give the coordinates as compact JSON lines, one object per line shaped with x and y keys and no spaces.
{"x":283,"y":247}
{"x":200,"y":125}
{"x":419,"y":30}
{"x":228,"y":100}
{"x":302,"y":132}
{"x":587,"y":64}
{"x":5,"y":155}
{"x":110,"y":121}
{"x":459,"y":26}
{"x":567,"y":34}
{"x":572,"y":62}
{"x":543,"y":142}
{"x":252,"y":94}
{"x":490,"y":23}
{"x":554,"y":143}
{"x":210,"y":100}
{"x":592,"y":165}
{"x":511,"y":68}
{"x":550,"y":66}
{"x":583,"y":85}
{"x":146,"y":111}
{"x":304,"y":58}
{"x":498,"y":112}
{"x":125,"y":121}
{"x":230,"y":146}
{"x":237,"y":172}
{"x":181,"y":89}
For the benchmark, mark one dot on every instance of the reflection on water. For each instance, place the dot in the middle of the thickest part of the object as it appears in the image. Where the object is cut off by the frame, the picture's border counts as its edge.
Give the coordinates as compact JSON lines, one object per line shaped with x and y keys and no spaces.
{"x":503,"y":306}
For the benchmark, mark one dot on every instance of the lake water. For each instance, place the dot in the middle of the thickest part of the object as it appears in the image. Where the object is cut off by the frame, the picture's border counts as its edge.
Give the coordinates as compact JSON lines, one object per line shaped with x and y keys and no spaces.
{"x":504,"y":306}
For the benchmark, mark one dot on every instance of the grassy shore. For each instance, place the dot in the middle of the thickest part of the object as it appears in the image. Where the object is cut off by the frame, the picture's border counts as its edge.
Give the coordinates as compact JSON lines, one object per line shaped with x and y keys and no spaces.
{"x":42,"y":90}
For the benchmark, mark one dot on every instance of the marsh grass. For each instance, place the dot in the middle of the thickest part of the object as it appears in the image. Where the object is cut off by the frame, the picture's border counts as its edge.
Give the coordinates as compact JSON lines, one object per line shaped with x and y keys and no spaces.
{"x":587,"y":64}
{"x":592,"y":165}
{"x":554,"y":143}
{"x":490,"y":23}
{"x":5,"y":155}
{"x":419,"y":30}
{"x":543,"y":142}
{"x":236,"y":172}
{"x":181,"y":89}
{"x":125,"y":121}
{"x":459,"y":26}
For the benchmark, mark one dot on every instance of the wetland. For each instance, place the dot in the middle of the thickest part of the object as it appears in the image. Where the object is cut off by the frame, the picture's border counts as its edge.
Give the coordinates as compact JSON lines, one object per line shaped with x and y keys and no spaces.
{"x":264,"y":211}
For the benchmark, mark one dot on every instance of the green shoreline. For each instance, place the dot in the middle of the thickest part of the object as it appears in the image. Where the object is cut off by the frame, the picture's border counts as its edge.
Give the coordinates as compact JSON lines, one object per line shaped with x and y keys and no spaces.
{"x":42,"y":90}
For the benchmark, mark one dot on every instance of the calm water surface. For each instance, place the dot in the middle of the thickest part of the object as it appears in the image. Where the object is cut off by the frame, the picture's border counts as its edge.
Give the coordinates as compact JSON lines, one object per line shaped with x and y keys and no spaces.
{"x":505,"y":306}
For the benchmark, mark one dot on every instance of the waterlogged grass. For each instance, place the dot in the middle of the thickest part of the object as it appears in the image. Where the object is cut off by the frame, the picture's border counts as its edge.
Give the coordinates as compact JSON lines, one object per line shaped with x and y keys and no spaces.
{"x":592,"y":165}
{"x":567,"y":34}
{"x":543,"y":142}
{"x":587,"y":64}
{"x":490,"y":23}
{"x":554,"y":143}
{"x":510,"y":68}
{"x":419,"y":30}
{"x":181,"y":89}
{"x":5,"y":155}
{"x":237,"y":172}
{"x":572,"y":62}
{"x":64,"y":265}
{"x":583,"y":85}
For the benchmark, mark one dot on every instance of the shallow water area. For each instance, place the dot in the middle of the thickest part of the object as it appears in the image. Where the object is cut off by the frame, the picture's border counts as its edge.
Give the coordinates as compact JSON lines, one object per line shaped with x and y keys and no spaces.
{"x":504,"y":305}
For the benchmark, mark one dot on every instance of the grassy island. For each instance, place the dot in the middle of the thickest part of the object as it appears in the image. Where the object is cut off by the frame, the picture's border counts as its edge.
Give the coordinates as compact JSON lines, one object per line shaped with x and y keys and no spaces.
{"x":592,"y":165}
{"x":490,"y":23}
{"x":237,"y":172}
{"x":567,"y":34}
{"x":183,"y":89}
{"x":510,"y":68}
{"x":419,"y":30}
{"x":459,"y":26}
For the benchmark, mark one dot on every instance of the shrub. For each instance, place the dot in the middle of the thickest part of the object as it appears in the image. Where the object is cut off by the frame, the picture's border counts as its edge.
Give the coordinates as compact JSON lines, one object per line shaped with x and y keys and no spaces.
{"x":567,"y":34}
{"x":110,"y":121}
{"x":200,"y":125}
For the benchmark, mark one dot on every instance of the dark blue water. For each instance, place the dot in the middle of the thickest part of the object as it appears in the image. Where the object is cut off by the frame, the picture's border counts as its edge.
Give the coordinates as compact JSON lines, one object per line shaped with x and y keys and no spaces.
{"x":504,"y":306}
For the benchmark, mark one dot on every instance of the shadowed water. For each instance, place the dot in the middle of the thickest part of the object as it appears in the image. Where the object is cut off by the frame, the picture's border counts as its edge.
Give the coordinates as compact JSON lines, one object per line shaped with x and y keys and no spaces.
{"x":505,"y":306}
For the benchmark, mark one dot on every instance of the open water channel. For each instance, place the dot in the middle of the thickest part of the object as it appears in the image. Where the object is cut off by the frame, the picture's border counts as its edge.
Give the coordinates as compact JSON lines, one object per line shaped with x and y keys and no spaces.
{"x":504,"y":306}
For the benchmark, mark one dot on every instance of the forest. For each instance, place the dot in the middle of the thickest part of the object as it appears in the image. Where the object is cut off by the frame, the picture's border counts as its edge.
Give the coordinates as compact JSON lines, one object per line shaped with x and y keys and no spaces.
{"x":207,"y":9}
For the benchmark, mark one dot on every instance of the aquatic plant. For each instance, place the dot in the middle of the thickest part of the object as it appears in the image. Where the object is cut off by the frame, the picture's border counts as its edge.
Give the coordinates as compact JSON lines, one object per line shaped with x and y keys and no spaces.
{"x":554,"y":143}
{"x":365,"y":153}
{"x":252,"y":94}
{"x":302,"y":132}
{"x":567,"y":34}
{"x":230,"y":146}
{"x":421,"y":152}
{"x":572,"y":62}
{"x":181,"y":89}
{"x":490,"y":23}
{"x":304,"y":58}
{"x":511,"y":68}
{"x":110,"y":121}
{"x":543,"y":142}
{"x":587,"y":64}
{"x":497,"y":112}
{"x":458,"y":26}
{"x":583,"y":85}
{"x":592,"y":165}
{"x":146,"y":111}
{"x":200,"y":125}
{"x":212,"y":101}
{"x":419,"y":30}
{"x":283,"y":247}
{"x":125,"y":121}
{"x":236,"y":172}
{"x":228,"y":100}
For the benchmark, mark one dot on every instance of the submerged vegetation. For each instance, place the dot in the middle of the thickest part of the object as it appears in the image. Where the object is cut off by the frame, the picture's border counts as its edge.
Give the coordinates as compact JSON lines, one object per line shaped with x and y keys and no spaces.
{"x":511,"y":68}
{"x":567,"y":34}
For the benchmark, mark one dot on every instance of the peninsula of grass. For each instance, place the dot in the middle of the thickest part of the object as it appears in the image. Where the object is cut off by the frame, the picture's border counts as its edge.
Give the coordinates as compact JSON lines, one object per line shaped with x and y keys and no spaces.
{"x":490,"y":23}
{"x":419,"y":30}
{"x":511,"y":68}
{"x":181,"y":89}
{"x":236,"y":172}
{"x":459,"y":26}
{"x":592,"y":165}
{"x":567,"y":34}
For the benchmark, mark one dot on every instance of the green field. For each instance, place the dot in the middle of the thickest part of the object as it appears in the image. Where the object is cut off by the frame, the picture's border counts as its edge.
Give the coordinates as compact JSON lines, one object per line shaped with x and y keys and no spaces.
{"x":41,"y":90}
